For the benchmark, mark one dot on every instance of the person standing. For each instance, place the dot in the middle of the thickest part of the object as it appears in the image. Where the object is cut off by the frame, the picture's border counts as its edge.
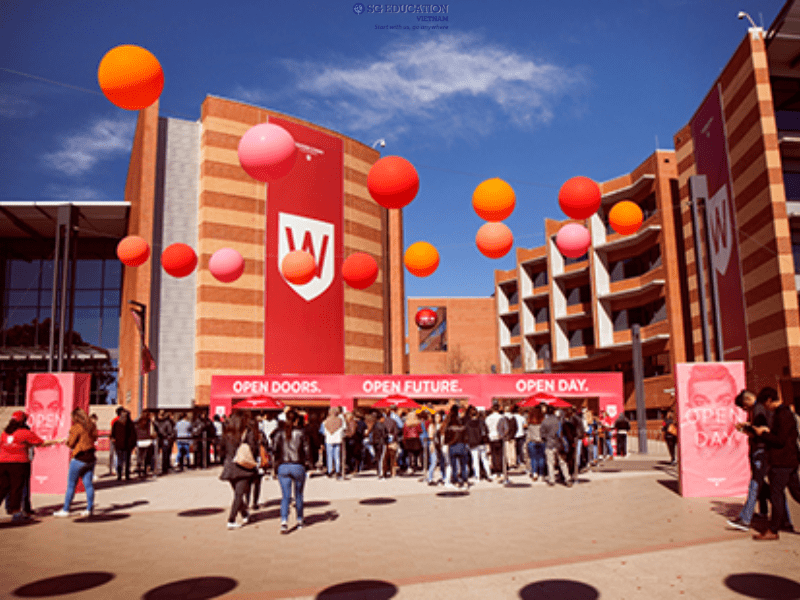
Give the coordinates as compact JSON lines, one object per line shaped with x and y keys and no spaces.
{"x":183,"y":435}
{"x":781,"y":440}
{"x":240,"y":476}
{"x":165,"y":432}
{"x":379,"y":443}
{"x":145,"y":434}
{"x":392,"y":436}
{"x":623,"y":426}
{"x":218,"y":430}
{"x":476,"y":436}
{"x":519,"y":437}
{"x":495,"y":441}
{"x":334,"y":431}
{"x":550,"y":430}
{"x":670,"y":431}
{"x":535,"y":443}
{"x":292,"y":455}
{"x":455,"y":440}
{"x":197,"y":440}
{"x":82,"y":437}
{"x":15,"y":463}
{"x":412,"y":432}
{"x":123,"y":433}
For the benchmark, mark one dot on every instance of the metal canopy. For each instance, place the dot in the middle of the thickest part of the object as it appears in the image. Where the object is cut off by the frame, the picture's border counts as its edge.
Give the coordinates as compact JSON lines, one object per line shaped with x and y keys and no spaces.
{"x":783,"y":42}
{"x":38,"y":220}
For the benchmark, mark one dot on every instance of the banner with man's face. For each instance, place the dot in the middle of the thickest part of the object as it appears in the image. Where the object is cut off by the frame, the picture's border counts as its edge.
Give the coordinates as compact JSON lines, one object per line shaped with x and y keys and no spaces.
{"x":713,"y":455}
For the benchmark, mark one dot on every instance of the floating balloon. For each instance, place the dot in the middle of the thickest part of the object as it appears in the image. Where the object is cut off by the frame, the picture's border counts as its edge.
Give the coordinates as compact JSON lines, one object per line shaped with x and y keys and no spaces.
{"x":425,"y":318}
{"x":179,"y":260}
{"x":393,"y":182}
{"x":130,"y":77}
{"x":493,"y":200}
{"x":226,"y":264}
{"x":421,"y":259}
{"x":573,"y":240}
{"x":298,"y":267}
{"x":360,"y":270}
{"x":494,"y":240}
{"x":267,"y":152}
{"x":133,"y":251}
{"x":579,"y":198}
{"x":625,"y":217}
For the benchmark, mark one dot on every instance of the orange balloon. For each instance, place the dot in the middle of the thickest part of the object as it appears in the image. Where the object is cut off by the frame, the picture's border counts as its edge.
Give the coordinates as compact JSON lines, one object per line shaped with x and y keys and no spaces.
{"x":421,"y":259}
{"x":298,"y":267}
{"x":130,"y":77}
{"x":133,"y":251}
{"x":625,"y":217}
{"x":494,"y":240}
{"x":579,"y":198}
{"x":494,"y":200}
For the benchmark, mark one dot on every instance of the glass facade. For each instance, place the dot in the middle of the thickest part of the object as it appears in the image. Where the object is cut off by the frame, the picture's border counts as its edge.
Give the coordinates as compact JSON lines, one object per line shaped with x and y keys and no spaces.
{"x":25,"y":328}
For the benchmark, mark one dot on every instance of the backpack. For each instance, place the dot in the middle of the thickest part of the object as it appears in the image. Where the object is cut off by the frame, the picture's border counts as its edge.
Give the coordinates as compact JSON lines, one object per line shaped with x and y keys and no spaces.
{"x":512,"y":427}
{"x":507,"y":428}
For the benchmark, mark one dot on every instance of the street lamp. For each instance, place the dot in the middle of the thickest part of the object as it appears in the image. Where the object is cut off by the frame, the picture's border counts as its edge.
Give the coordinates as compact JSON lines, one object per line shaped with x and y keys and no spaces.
{"x":381,"y":142}
{"x":755,"y":29}
{"x":140,"y":311}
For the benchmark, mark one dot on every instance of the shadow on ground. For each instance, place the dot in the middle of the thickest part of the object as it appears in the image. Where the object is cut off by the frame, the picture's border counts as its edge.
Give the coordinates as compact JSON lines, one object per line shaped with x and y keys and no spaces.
{"x":63,"y":584}
{"x":552,"y":589}
{"x":196,"y":588}
{"x":359,"y":590}
{"x":759,"y":585}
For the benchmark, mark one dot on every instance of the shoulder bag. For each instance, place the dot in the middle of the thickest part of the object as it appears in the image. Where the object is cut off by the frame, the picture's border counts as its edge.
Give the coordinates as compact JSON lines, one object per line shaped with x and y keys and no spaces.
{"x":244,"y":455}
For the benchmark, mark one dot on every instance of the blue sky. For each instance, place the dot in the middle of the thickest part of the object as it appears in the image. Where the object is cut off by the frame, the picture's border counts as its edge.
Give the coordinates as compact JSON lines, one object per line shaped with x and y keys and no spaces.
{"x":531,"y":92}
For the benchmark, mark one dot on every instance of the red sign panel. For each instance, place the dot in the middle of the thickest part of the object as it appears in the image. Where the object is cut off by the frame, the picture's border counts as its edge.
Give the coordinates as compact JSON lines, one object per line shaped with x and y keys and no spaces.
{"x":304,"y":324}
{"x":711,"y":159}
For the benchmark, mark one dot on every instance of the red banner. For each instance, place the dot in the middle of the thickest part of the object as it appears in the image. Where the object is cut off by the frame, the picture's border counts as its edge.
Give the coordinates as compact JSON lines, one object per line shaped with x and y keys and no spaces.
{"x":147,"y":362}
{"x":713,"y":455}
{"x":49,"y":403}
{"x":722,"y":237}
{"x":304,"y":324}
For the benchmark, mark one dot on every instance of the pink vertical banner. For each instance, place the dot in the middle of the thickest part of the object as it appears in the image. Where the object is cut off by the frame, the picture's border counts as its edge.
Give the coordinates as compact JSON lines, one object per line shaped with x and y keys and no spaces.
{"x":49,"y":403}
{"x":713,"y":455}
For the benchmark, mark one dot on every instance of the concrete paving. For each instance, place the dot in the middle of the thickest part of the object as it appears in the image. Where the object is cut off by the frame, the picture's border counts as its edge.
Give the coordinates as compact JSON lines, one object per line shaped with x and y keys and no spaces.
{"x":621,"y":532}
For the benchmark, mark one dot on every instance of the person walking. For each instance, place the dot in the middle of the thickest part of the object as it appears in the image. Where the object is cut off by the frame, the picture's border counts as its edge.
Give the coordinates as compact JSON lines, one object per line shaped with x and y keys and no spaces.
{"x":495,"y":441}
{"x":240,"y":476}
{"x":292,"y":455}
{"x":533,"y":437}
{"x":15,"y":462}
{"x":476,"y":435}
{"x":551,"y":435}
{"x":334,"y":431}
{"x":623,"y":426}
{"x":263,"y":450}
{"x":380,"y":441}
{"x":81,"y":440}
{"x":412,"y":432}
{"x":123,"y":433}
{"x":670,"y":429}
{"x":183,"y":436}
{"x":145,"y":434}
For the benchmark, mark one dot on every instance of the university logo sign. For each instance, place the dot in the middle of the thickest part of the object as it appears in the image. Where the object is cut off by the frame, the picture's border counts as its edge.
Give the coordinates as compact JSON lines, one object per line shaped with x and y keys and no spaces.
{"x":313,"y":236}
{"x":719,"y":225}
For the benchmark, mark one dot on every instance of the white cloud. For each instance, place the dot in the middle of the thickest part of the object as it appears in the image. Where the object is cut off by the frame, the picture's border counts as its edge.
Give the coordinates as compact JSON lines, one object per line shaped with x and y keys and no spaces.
{"x":454,"y":80}
{"x":103,"y":139}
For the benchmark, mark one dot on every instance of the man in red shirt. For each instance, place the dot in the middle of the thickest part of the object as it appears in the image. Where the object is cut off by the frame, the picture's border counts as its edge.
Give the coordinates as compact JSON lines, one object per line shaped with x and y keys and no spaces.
{"x":15,"y":464}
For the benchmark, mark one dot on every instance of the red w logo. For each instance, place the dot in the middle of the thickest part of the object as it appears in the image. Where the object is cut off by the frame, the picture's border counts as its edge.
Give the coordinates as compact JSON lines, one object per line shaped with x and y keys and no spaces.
{"x":308,"y":246}
{"x":719,"y":227}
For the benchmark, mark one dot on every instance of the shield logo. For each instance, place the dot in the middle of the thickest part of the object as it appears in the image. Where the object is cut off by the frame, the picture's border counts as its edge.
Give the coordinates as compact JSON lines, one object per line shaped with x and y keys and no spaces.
{"x":720,"y":231}
{"x":314,"y":236}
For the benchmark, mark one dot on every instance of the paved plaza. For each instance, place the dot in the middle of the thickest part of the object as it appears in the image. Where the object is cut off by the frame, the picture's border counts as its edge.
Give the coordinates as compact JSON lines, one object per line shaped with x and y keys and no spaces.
{"x":621,"y":532}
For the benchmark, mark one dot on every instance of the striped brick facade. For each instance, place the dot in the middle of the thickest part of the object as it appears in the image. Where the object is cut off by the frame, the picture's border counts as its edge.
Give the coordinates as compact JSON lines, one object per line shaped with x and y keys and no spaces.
{"x":764,"y":235}
{"x":231,"y":212}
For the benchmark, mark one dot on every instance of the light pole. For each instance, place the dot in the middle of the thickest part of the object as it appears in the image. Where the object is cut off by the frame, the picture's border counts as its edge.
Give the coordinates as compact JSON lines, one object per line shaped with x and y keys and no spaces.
{"x":140,"y":314}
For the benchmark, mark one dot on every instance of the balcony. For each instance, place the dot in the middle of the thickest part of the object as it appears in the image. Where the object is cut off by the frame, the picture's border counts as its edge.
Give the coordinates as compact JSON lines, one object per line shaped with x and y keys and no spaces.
{"x":636,"y":286}
{"x":640,"y":239}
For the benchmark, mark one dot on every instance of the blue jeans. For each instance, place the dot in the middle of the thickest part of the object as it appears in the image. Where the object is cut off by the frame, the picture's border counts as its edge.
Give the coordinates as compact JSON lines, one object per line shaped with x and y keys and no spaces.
{"x":80,"y":470}
{"x":436,"y":459}
{"x":538,"y":464}
{"x":289,"y":473}
{"x":183,"y":451}
{"x":459,"y":457}
{"x":334,"y":454}
{"x":758,"y":469}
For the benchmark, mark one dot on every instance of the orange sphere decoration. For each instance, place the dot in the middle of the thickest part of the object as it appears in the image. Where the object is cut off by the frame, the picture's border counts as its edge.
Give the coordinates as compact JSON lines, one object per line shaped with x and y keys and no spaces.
{"x":298,"y":267}
{"x":133,"y":251}
{"x":579,"y":198}
{"x":421,"y":259}
{"x":179,"y":260}
{"x":360,"y":270}
{"x":130,"y":77}
{"x":625,"y":217}
{"x":494,"y":200}
{"x":494,"y":240}
{"x":393,"y":182}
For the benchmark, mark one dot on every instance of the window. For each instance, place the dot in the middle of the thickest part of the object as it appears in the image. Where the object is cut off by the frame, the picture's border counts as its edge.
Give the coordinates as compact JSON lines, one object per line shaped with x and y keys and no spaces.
{"x":648,"y":314}
{"x":581,"y":337}
{"x":572,"y":261}
{"x":579,"y":295}
{"x":540,"y":279}
{"x":636,"y":265}
{"x":435,"y":338}
{"x":542,"y":314}
{"x":796,"y":251}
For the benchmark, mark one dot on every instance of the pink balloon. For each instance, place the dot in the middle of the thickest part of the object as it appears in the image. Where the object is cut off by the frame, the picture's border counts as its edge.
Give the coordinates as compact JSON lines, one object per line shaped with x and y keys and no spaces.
{"x":573,"y":240}
{"x":226,"y":264}
{"x":267,"y":152}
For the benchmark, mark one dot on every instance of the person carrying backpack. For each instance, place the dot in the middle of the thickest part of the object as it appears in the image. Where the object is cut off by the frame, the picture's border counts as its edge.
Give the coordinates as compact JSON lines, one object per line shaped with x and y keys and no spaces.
{"x":509,"y":438}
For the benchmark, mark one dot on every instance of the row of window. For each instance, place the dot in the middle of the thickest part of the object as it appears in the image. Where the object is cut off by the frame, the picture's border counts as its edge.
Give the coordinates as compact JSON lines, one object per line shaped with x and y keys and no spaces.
{"x":635,"y":266}
{"x":648,"y":314}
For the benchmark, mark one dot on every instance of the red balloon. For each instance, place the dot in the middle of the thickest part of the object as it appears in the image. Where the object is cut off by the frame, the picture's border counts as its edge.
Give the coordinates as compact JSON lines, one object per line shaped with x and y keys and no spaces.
{"x":179,"y":260}
{"x":360,"y":270}
{"x":298,"y":267}
{"x":393,"y":182}
{"x":579,"y":198}
{"x":494,"y":240}
{"x":133,"y":251}
{"x":425,"y":318}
